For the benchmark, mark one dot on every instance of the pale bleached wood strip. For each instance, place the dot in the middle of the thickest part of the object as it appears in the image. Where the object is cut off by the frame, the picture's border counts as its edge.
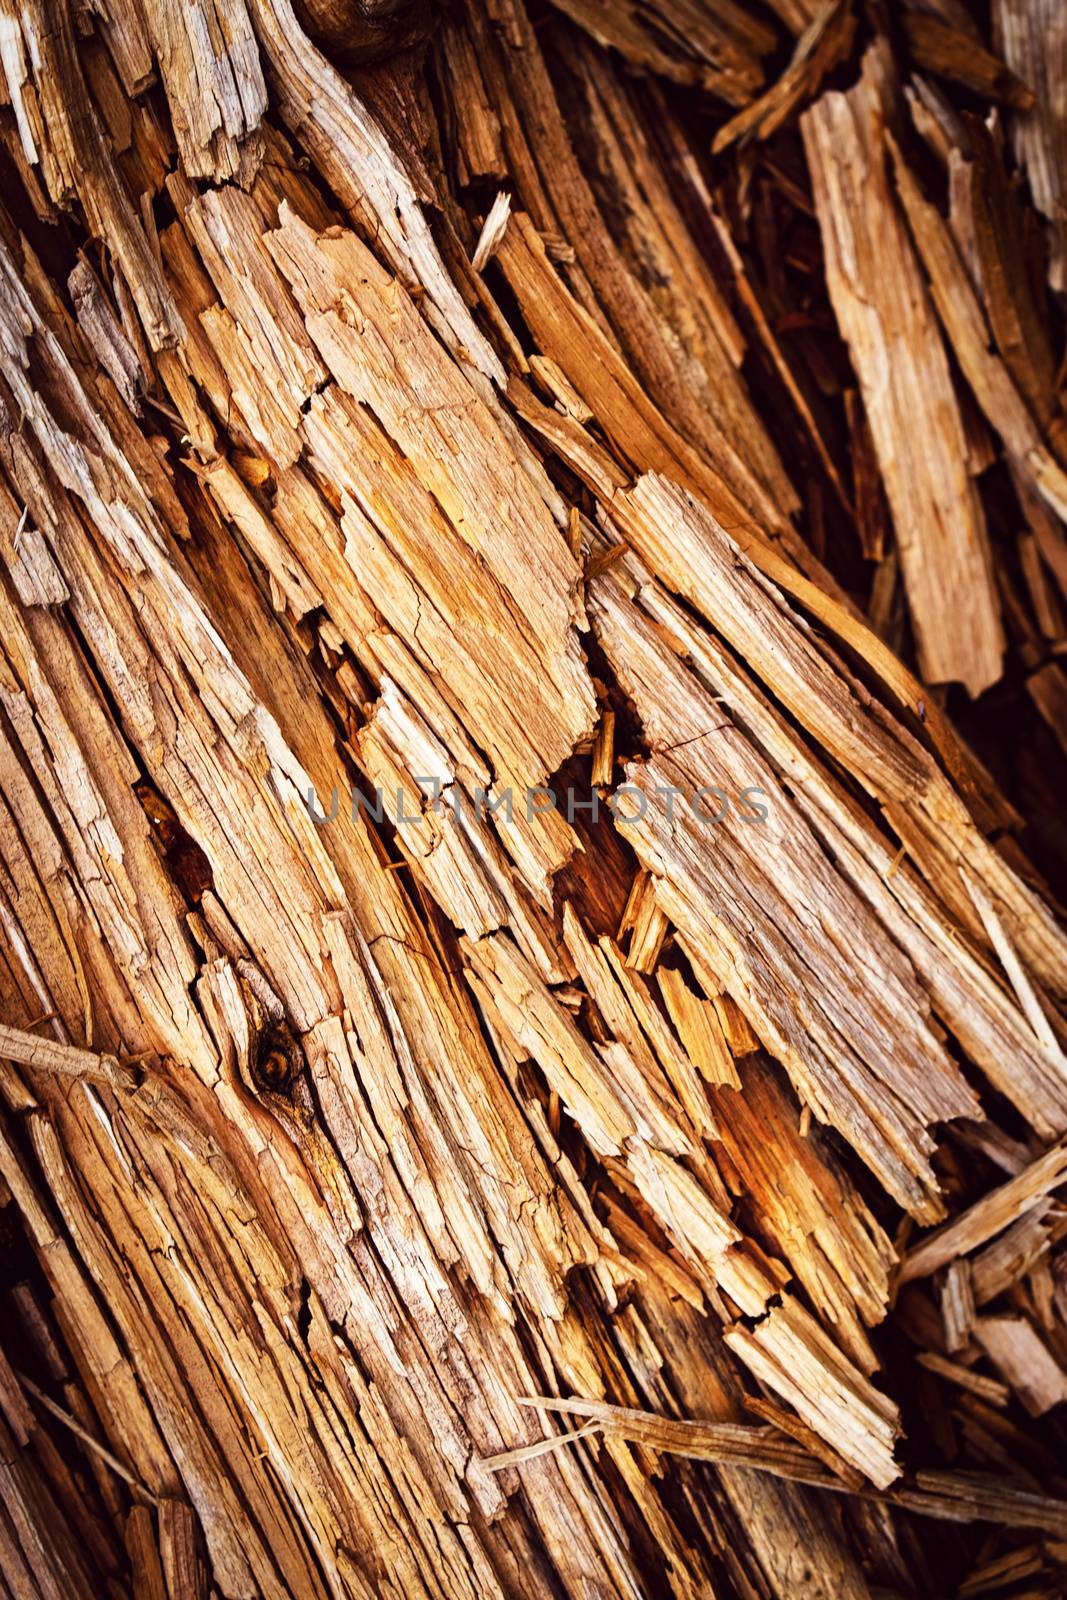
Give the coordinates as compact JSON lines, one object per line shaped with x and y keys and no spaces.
{"x":885,"y":315}
{"x":988,"y":1216}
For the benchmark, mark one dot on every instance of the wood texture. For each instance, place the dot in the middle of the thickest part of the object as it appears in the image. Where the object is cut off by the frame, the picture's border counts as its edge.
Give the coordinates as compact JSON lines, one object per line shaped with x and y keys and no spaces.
{"x":884,"y":311}
{"x":532,"y":583}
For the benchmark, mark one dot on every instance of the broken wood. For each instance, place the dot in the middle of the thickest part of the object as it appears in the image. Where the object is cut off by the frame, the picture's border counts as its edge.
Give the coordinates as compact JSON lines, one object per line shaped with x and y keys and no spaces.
{"x":514,"y":963}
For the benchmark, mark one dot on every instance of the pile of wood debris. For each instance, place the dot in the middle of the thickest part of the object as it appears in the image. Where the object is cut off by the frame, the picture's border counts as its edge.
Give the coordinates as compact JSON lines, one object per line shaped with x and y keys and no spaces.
{"x":629,"y":433}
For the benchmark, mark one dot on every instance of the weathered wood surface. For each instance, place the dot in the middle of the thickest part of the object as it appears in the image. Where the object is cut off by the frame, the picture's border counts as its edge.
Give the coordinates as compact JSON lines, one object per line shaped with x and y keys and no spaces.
{"x":542,"y":1180}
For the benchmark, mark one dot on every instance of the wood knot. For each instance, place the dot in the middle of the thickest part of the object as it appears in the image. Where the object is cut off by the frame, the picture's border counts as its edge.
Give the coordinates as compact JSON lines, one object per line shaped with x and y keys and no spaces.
{"x":272,"y":1061}
{"x":276,"y":1062}
{"x":359,"y":32}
